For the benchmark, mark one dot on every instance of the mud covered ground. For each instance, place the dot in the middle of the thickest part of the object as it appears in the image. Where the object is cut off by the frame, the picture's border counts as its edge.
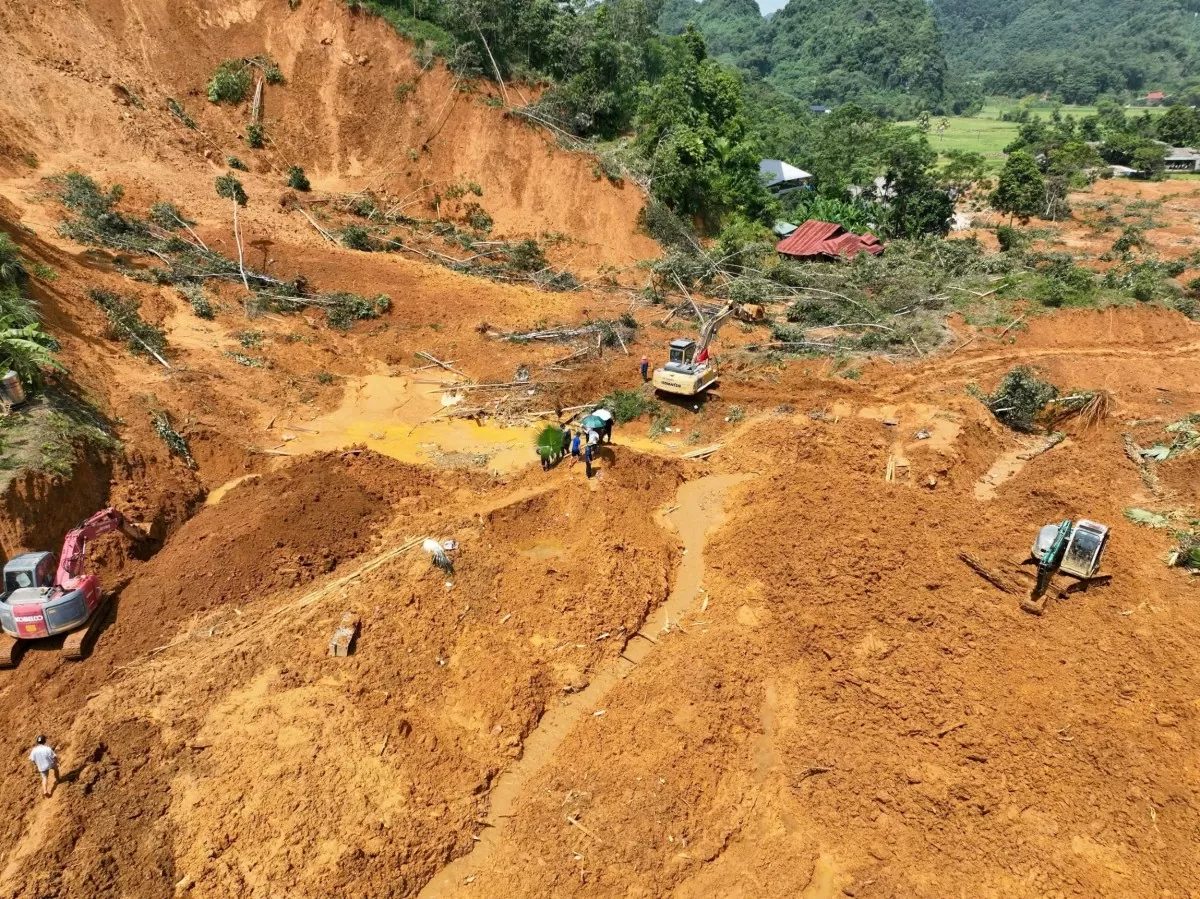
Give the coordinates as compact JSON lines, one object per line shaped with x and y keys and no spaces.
{"x":764,"y":673}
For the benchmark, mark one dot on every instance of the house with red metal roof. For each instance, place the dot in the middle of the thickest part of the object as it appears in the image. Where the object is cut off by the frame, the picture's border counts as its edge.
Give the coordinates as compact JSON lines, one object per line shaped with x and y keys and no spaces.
{"x":816,"y":240}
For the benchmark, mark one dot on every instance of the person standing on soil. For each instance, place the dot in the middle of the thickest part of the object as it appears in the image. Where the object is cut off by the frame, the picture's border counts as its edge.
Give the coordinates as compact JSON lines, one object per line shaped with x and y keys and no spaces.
{"x":645,"y":369}
{"x":46,"y":761}
{"x":575,"y":447}
{"x":605,"y":416}
{"x":587,"y":455}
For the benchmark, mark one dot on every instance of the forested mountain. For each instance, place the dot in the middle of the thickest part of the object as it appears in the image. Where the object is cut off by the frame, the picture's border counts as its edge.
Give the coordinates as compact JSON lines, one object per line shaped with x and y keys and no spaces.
{"x":732,"y":28}
{"x":1078,"y":49}
{"x":884,"y":55}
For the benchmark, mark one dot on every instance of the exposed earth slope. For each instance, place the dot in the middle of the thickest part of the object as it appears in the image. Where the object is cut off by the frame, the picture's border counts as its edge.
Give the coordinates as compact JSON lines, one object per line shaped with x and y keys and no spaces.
{"x":756,"y":670}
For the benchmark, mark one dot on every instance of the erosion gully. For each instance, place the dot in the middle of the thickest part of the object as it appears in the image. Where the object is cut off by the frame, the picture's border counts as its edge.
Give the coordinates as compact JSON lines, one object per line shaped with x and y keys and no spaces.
{"x":698,"y":511}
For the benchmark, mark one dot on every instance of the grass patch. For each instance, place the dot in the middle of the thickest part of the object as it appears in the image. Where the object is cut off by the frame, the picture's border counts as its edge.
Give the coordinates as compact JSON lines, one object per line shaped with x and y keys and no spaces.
{"x":628,"y":405}
{"x":49,"y":433}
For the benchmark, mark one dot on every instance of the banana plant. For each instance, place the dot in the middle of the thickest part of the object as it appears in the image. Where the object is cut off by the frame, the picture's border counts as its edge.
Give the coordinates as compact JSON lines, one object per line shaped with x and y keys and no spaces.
{"x":27,"y":350}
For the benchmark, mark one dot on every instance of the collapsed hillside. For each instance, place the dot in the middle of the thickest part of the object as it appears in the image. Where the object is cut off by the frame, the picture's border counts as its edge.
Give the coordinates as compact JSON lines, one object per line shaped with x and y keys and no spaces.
{"x":822,"y":700}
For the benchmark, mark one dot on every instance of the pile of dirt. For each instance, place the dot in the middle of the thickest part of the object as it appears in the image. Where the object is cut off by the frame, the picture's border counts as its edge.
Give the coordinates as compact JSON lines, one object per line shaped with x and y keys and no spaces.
{"x":854,"y":701}
{"x":277,"y":531}
{"x":357,"y":776}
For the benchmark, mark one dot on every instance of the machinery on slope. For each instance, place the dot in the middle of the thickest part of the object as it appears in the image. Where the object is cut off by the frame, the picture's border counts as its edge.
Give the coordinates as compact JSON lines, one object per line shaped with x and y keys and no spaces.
{"x":43,"y":599}
{"x":1072,"y":547}
{"x":690,"y":370}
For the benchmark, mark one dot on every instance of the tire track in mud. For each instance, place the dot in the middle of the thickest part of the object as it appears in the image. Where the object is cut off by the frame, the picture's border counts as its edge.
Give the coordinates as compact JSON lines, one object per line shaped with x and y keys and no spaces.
{"x":698,"y":511}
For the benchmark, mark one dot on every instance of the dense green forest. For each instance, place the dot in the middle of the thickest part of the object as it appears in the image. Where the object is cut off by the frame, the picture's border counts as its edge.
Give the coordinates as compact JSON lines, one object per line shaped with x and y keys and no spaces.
{"x":1077,"y":50}
{"x":885,"y":55}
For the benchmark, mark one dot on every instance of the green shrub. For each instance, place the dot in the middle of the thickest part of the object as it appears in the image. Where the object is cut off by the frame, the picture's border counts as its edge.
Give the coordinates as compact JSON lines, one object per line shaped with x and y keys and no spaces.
{"x":356,"y":237}
{"x":234,"y":163}
{"x":231,"y":188}
{"x":1011,"y":238}
{"x":1020,"y":398}
{"x":256,"y":137}
{"x":347,"y":308}
{"x":297,"y":180}
{"x":230,"y":83}
{"x":250,"y":340}
{"x":627,"y":405}
{"x":325,"y":378}
{"x":477,"y":218}
{"x":404,"y":90}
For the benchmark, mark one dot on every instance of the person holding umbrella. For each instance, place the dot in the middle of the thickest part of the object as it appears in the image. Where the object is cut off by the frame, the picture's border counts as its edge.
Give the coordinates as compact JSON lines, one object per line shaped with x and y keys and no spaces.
{"x":595,"y":422}
{"x":607,"y":417}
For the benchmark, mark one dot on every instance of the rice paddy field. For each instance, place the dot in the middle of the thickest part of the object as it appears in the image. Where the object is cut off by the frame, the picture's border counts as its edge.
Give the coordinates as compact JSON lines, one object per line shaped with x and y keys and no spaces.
{"x":985,"y":133}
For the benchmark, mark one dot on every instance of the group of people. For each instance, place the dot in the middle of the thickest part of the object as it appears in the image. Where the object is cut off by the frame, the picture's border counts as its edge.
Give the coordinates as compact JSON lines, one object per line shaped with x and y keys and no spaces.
{"x":581,"y":444}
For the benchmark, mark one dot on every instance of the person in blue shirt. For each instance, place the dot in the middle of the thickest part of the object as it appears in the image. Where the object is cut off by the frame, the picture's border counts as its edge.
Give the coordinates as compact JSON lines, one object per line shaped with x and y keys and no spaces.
{"x":575,"y":445}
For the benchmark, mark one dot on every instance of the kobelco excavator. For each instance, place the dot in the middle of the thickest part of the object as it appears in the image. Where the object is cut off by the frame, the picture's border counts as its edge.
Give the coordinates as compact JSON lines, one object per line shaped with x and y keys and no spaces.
{"x":42,"y":599}
{"x":690,"y":370}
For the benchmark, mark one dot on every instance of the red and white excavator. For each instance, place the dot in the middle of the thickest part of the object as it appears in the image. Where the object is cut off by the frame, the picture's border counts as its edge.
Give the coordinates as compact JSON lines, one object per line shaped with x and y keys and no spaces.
{"x":41,"y":599}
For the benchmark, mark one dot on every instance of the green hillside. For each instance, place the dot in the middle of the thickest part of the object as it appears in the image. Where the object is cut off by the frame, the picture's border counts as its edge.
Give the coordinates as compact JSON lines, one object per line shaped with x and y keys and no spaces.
{"x":1078,"y":50}
{"x":884,"y":55}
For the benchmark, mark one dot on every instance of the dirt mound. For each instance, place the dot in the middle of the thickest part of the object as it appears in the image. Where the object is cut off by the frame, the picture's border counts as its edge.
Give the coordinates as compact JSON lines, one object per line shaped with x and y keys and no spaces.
{"x":278,"y":531}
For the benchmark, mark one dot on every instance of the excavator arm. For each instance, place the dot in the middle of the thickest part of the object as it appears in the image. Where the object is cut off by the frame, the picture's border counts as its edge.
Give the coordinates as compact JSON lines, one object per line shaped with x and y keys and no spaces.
{"x":712,"y":327}
{"x":70,"y":561}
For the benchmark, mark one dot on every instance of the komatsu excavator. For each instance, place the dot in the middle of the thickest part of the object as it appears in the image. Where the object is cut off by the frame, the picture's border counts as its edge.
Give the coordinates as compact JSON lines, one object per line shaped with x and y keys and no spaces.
{"x":690,"y":370}
{"x":43,"y":599}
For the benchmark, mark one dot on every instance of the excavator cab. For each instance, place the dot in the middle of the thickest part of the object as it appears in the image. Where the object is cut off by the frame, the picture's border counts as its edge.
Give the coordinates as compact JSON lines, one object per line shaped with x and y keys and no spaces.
{"x":683,"y":351}
{"x":29,"y":570}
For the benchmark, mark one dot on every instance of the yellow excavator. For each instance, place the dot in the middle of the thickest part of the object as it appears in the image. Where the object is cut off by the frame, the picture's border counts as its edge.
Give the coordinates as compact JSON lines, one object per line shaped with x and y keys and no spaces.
{"x":690,"y":370}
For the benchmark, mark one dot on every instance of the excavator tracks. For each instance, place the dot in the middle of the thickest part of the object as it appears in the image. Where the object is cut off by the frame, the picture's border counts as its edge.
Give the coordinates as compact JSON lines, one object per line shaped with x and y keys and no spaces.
{"x":79,"y":643}
{"x":10,"y":651}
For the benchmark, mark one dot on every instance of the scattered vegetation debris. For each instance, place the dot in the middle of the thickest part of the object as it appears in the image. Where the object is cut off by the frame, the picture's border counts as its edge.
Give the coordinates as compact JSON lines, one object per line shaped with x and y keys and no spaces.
{"x":177,"y":110}
{"x":175,"y":441}
{"x":1185,"y":529}
{"x":1020,"y":398}
{"x":201,"y":305}
{"x":94,"y":220}
{"x":250,"y":340}
{"x":126,"y":323}
{"x":247,"y":361}
{"x":1147,"y":519}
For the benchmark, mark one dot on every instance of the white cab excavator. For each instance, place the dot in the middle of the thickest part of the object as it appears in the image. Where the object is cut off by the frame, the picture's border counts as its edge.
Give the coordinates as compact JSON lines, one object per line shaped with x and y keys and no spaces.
{"x":691,"y":370}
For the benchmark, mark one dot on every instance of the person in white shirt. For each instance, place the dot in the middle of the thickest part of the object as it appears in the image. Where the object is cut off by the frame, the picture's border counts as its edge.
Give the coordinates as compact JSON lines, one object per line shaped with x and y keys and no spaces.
{"x":46,"y":761}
